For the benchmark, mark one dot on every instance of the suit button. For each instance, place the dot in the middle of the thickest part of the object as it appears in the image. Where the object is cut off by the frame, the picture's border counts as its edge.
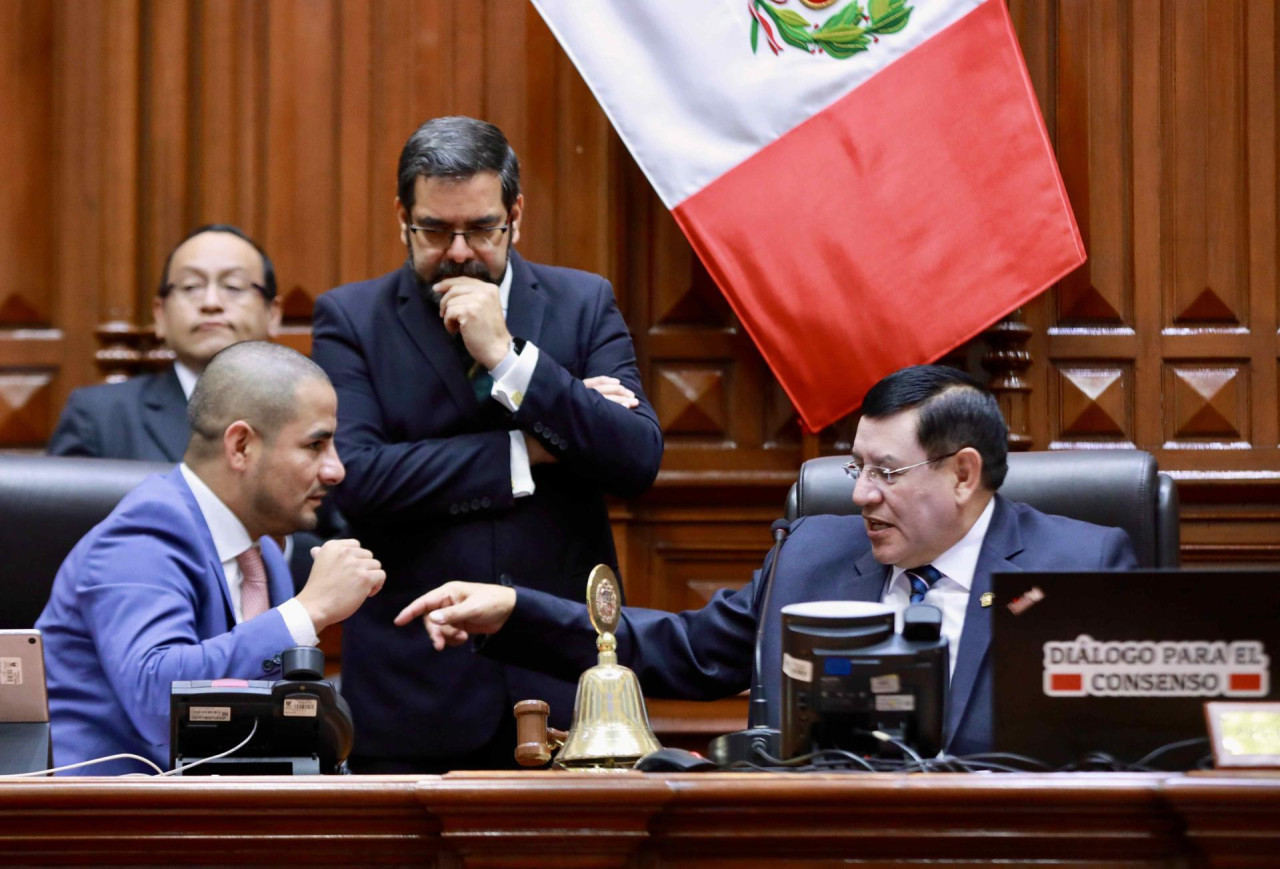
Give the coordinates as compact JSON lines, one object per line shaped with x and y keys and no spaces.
{"x":485,"y":502}
{"x":463,"y":507}
{"x":537,"y":428}
{"x":453,"y":509}
{"x":475,"y":504}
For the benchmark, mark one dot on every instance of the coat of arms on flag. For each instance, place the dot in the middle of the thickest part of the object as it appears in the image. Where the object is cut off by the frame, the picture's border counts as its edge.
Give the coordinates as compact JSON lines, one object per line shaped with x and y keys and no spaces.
{"x":844,"y":34}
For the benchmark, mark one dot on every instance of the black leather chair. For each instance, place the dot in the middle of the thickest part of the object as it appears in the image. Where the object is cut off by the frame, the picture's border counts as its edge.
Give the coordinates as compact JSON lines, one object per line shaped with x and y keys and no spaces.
{"x":1120,"y":488}
{"x":47,"y":504}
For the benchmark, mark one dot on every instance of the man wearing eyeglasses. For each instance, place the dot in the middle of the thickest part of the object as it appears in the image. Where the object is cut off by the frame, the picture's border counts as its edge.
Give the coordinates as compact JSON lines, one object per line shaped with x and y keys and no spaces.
{"x":487,"y":405}
{"x":217,"y":288}
{"x":928,"y":458}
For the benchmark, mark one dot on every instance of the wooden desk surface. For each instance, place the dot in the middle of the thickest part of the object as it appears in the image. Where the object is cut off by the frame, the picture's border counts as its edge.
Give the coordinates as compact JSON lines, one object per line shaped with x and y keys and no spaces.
{"x":637,"y":819}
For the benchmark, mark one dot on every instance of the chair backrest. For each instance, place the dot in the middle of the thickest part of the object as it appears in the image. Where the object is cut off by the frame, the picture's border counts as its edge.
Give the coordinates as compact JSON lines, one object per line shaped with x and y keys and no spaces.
{"x":1120,"y":488}
{"x":47,"y":504}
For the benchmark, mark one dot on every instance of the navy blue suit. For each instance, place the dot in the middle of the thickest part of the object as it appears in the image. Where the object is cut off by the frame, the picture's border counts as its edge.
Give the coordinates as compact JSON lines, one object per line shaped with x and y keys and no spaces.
{"x":428,"y":488}
{"x":144,"y":418}
{"x":141,"y":601}
{"x":707,"y":653}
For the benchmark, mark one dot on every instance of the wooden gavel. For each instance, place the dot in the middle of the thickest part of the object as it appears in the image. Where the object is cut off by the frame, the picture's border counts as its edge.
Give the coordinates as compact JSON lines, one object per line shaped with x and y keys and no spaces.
{"x":535,"y":741}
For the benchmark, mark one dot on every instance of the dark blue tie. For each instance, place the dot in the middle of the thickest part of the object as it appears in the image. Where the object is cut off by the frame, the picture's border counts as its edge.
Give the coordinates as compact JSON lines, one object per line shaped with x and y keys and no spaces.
{"x":922,"y":579}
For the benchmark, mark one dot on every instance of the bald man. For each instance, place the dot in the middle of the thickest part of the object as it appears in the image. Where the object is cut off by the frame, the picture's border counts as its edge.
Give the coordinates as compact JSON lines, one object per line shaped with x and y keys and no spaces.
{"x":183,"y":579}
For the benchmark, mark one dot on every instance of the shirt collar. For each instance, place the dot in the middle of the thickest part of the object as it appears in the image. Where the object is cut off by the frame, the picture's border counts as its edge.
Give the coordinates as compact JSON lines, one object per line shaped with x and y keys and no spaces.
{"x":229,"y":535}
{"x":961,"y":561}
{"x":504,"y":286}
{"x":186,"y":378}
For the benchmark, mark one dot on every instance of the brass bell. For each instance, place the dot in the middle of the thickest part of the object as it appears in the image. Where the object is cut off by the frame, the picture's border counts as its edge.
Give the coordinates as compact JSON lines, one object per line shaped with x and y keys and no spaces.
{"x":610,"y":729}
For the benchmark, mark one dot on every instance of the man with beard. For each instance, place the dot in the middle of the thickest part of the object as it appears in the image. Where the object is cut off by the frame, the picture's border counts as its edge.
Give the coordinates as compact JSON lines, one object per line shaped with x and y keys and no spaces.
{"x":184,"y":580}
{"x":488,"y":404}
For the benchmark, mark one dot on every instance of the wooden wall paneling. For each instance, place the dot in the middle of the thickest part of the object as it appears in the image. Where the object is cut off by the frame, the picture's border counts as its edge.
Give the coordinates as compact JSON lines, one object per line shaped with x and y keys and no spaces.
{"x":1207,"y":265}
{"x":166,"y":207}
{"x":121,"y":299}
{"x":302,"y":183}
{"x":1262,"y":81}
{"x":32,"y":375}
{"x":1086,"y":391}
{"x":363,"y":215}
{"x":77,"y":153}
{"x":1093,"y":128}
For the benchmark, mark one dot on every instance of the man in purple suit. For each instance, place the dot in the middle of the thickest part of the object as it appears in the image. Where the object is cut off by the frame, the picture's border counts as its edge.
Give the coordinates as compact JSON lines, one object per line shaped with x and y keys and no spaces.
{"x":928,"y":458}
{"x":183,"y":580}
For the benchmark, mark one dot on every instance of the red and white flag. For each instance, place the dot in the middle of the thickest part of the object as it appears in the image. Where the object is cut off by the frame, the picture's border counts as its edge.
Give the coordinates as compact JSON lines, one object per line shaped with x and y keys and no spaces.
{"x":869,"y":182}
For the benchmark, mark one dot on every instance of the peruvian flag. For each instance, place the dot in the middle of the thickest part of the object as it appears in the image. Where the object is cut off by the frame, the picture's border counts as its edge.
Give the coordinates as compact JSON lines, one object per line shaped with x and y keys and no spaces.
{"x":869,"y":182}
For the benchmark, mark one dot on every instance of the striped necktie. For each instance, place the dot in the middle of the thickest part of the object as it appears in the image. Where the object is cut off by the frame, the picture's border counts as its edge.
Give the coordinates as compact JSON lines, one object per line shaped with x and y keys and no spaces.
{"x":922,"y":579}
{"x":254,"y":597}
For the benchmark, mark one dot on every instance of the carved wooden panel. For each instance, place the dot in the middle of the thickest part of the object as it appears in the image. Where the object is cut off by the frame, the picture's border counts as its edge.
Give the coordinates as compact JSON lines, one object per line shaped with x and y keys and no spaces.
{"x":25,"y":403}
{"x":1093,"y":124}
{"x":1093,"y":405}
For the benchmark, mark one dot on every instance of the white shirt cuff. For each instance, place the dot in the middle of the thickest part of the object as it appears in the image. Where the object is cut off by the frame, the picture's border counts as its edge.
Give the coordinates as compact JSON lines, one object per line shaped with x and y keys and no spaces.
{"x":298,"y":622}
{"x":521,"y":473}
{"x":511,"y":377}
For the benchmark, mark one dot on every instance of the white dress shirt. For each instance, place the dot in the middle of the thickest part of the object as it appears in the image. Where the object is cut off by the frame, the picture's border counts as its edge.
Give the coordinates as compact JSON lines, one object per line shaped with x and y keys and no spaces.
{"x":951,"y":592}
{"x":229,"y":540}
{"x":511,"y":379}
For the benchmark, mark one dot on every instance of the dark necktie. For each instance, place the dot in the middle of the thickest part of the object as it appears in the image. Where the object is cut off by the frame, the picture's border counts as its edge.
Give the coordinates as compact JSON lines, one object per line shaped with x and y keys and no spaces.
{"x":481,"y":379}
{"x":922,"y":579}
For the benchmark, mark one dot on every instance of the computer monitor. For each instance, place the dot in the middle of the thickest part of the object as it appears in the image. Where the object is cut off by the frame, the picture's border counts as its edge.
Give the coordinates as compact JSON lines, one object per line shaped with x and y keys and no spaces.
{"x":846,"y":674}
{"x":1120,"y":663}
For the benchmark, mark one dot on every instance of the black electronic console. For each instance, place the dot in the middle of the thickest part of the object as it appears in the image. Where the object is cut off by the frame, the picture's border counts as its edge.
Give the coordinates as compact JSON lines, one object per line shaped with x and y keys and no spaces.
{"x":850,"y":682}
{"x":303,"y":726}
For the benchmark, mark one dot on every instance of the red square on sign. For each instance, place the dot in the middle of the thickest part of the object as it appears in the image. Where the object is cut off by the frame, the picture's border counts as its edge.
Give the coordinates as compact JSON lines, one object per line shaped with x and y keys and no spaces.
{"x":1066,"y":682}
{"x":1246,"y":681}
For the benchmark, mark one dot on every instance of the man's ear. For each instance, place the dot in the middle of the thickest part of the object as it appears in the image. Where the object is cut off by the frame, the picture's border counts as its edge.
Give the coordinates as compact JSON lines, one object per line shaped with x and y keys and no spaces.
{"x":517,"y":210}
{"x":402,"y":215}
{"x":161,"y":317}
{"x":968,"y":465}
{"x":239,"y":445}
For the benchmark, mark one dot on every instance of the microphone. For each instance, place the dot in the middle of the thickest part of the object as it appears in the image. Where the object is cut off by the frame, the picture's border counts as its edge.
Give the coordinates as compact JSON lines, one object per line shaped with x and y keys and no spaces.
{"x":758,"y":737}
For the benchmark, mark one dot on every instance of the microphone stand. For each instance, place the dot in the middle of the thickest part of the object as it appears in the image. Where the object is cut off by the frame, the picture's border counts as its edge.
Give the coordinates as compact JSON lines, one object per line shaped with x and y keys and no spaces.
{"x":758,"y":739}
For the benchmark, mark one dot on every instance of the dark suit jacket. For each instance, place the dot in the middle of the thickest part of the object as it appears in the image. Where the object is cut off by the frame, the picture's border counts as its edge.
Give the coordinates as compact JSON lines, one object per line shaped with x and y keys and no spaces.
{"x":143,"y":418}
{"x":428,"y":487}
{"x":708,"y":653}
{"x":142,"y":601}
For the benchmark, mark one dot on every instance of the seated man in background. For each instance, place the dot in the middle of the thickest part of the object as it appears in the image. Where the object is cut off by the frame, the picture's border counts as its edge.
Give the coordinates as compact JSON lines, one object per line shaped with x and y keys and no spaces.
{"x":928,"y":458}
{"x":218,"y":288}
{"x":183,"y":579}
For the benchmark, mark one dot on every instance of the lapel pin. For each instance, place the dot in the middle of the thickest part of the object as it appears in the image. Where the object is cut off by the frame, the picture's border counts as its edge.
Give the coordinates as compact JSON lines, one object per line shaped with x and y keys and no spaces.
{"x":987,"y":598}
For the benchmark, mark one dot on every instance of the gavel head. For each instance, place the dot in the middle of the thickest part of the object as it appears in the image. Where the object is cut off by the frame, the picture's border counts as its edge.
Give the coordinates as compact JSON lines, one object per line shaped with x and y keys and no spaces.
{"x":534,"y":740}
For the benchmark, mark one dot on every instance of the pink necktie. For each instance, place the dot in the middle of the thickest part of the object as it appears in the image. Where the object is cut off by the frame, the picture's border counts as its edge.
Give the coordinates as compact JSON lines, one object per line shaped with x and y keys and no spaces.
{"x":254,"y":599}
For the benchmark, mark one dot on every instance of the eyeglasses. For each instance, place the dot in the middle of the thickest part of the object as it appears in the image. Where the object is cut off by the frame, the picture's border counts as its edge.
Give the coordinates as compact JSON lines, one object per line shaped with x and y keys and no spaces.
{"x":230,"y":290}
{"x":476,"y":239}
{"x":885,"y":476}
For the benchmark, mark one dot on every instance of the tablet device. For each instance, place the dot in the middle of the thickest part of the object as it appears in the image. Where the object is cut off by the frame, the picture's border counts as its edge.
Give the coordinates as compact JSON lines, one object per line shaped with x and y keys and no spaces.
{"x":22,"y":686}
